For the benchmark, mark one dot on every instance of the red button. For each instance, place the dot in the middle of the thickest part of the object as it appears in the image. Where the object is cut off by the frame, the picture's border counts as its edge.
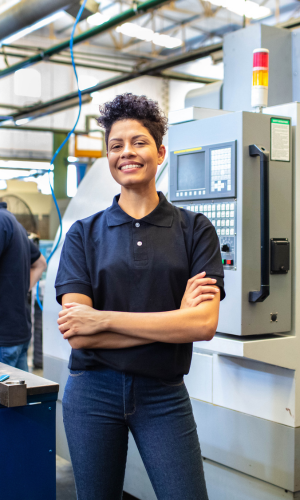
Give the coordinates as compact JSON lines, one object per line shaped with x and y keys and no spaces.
{"x":229,"y":262}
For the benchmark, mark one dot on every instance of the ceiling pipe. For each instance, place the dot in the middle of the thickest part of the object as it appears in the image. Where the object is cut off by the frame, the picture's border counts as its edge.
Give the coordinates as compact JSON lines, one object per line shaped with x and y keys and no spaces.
{"x":33,"y":112}
{"x":26,"y":13}
{"x":68,"y":62}
{"x":139,"y":9}
{"x":153,"y":69}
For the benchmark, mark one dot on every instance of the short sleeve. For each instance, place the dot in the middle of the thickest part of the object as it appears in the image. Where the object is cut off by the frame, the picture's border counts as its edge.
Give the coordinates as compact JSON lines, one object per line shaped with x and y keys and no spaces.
{"x":206,"y":255}
{"x":72,"y":275}
{"x":6,"y":233}
{"x":34,"y":252}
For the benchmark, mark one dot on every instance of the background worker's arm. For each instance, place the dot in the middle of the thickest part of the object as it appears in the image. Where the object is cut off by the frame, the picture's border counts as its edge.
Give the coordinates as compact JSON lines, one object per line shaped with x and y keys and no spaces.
{"x":36,"y":270}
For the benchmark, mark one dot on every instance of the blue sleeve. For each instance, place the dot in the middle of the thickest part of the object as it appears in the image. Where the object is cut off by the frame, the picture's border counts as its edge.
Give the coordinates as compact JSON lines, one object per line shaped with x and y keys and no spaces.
{"x":206,"y":255}
{"x":6,"y":233}
{"x":73,"y":275}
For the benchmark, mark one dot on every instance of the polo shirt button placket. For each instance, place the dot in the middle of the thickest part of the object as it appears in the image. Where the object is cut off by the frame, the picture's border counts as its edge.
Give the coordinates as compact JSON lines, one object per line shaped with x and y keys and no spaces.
{"x":140,"y":251}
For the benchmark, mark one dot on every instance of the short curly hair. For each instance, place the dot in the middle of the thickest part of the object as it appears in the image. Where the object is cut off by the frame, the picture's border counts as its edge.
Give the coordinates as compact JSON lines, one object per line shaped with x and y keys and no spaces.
{"x":134,"y":107}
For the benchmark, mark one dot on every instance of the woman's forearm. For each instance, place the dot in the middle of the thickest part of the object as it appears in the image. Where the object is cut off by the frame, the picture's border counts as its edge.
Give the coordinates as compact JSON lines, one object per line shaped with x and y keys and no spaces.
{"x":179,"y":326}
{"x":106,"y":340}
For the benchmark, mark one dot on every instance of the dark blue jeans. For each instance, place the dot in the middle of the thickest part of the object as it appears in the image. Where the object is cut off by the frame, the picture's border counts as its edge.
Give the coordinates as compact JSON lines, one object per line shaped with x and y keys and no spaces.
{"x":15,"y":356}
{"x":98,"y":409}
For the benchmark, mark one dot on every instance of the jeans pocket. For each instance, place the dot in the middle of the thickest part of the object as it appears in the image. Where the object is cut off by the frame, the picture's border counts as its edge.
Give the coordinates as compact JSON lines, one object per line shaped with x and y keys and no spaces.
{"x":76,"y":373}
{"x":172,"y":383}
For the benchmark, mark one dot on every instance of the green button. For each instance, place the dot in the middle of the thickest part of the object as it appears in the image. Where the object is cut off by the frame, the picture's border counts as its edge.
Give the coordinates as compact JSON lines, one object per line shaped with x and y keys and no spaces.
{"x":223,"y":261}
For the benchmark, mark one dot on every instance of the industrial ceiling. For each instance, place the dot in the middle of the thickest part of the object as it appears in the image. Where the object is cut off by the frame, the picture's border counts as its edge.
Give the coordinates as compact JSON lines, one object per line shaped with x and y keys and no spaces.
{"x":110,"y":35}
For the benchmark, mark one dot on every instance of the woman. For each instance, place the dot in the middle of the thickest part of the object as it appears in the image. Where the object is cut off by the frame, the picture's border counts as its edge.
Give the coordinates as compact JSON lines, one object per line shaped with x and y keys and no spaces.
{"x":133,"y":302}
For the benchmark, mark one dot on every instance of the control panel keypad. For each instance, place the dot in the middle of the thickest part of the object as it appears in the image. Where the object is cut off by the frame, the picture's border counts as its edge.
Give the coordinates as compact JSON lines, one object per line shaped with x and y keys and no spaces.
{"x":223,"y":217}
{"x":220,"y":170}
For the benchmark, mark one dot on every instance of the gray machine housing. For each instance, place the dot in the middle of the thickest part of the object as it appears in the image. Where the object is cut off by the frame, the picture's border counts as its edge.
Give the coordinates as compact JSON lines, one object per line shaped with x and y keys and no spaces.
{"x":238,"y":316}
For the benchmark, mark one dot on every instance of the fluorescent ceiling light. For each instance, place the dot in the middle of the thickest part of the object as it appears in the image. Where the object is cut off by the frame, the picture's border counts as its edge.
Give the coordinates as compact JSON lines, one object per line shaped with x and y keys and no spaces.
{"x":166,"y":41}
{"x":22,"y":121}
{"x":244,"y":8}
{"x":148,"y":35}
{"x":97,"y":19}
{"x":33,"y":27}
{"x":8,"y":5}
{"x":136,"y":31}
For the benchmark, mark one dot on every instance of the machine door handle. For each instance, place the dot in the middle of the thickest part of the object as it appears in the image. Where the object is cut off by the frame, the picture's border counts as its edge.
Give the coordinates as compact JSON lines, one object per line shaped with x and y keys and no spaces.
{"x":263,"y":293}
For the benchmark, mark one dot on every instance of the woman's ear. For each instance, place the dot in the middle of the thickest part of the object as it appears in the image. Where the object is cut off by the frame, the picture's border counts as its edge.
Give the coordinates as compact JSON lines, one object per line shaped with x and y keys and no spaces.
{"x":161,"y":154}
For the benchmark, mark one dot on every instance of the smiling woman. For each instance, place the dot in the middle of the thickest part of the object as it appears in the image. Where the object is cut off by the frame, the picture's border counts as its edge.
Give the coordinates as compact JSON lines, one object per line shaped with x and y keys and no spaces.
{"x":139,"y":282}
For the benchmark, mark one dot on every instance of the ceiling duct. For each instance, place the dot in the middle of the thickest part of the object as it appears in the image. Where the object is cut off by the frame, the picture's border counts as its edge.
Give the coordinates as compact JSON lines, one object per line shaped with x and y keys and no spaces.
{"x":29,"y":12}
{"x":91,"y":7}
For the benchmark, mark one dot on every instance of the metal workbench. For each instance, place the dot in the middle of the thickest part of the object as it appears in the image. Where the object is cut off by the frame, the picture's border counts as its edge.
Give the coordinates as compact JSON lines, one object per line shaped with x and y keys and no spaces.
{"x":27,"y":436}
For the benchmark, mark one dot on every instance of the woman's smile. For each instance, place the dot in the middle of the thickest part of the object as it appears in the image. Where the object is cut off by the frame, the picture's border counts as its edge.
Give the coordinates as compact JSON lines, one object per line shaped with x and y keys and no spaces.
{"x":129,"y":166}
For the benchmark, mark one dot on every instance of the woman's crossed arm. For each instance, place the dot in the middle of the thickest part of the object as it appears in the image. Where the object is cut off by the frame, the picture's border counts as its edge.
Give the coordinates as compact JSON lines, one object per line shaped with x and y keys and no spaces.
{"x":197,"y":319}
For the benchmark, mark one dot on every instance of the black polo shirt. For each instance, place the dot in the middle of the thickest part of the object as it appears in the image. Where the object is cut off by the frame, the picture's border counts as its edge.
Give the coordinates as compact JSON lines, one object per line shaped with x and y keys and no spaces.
{"x":142,"y":265}
{"x":17,"y":253}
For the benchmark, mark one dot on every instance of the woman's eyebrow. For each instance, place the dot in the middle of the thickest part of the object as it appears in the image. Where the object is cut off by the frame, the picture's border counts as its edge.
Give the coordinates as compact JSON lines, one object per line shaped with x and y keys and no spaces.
{"x":116,"y":139}
{"x":137,"y":136}
{"x":120,"y":138}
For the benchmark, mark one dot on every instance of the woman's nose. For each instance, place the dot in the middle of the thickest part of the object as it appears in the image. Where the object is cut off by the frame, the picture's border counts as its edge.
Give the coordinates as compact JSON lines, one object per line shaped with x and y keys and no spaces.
{"x":128,"y":150}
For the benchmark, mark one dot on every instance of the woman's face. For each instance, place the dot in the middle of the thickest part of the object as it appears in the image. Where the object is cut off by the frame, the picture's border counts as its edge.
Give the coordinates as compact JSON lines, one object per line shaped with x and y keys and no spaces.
{"x":132,"y":154}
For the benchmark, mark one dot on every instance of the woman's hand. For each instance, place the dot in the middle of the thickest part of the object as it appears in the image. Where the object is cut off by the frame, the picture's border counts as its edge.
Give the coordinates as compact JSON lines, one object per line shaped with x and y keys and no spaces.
{"x":198,"y":289}
{"x":80,"y":319}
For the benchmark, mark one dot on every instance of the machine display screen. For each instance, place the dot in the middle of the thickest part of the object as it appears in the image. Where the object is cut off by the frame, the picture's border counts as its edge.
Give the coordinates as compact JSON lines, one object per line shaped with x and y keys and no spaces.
{"x":191,"y":171}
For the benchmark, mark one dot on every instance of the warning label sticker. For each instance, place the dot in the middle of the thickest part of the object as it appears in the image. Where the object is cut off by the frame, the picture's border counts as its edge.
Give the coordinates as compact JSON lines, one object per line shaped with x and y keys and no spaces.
{"x":280,"y":139}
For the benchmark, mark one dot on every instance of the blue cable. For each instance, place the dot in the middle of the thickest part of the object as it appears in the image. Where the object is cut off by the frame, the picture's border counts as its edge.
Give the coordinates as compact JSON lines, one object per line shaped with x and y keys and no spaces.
{"x":62,"y":145}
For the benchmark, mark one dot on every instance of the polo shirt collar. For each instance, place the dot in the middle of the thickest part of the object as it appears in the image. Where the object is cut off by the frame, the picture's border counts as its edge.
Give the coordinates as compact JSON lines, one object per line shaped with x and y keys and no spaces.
{"x":162,"y":215}
{"x":3,"y":204}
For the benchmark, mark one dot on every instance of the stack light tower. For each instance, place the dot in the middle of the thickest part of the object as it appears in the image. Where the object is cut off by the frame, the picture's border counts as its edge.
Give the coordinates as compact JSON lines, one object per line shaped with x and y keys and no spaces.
{"x":260,"y":79}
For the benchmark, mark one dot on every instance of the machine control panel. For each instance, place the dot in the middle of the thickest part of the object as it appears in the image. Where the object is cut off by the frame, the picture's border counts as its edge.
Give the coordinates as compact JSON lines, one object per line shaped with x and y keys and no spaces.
{"x":222,"y":214}
{"x":204,"y":172}
{"x":203,"y":180}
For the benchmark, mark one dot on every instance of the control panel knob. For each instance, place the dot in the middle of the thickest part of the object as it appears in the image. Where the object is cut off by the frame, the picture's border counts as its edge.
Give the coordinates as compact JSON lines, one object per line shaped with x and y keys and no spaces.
{"x":225,"y":248}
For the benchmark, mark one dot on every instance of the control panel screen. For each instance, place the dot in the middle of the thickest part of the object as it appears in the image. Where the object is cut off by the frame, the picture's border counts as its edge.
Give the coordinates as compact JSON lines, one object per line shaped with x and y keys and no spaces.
{"x":220,"y":170}
{"x":191,"y":171}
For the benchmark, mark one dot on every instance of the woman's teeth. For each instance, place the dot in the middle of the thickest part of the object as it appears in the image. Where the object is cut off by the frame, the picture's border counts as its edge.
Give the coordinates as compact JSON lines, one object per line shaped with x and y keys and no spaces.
{"x":126,"y":167}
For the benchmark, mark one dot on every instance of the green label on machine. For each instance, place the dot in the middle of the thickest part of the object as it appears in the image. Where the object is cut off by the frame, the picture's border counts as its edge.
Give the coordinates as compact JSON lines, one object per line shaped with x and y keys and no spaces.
{"x":280,"y":139}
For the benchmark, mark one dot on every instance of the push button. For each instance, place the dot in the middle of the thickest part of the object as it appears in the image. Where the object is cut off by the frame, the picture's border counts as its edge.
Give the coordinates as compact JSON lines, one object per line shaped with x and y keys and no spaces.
{"x":229,"y":262}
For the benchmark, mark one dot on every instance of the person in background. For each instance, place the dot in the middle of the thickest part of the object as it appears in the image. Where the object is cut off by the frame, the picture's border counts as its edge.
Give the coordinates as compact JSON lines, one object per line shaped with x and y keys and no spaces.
{"x":21,"y":266}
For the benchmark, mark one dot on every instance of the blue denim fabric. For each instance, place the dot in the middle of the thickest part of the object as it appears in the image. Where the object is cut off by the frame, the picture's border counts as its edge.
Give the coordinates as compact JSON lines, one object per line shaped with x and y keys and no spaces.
{"x":98,"y":409}
{"x":15,"y":355}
